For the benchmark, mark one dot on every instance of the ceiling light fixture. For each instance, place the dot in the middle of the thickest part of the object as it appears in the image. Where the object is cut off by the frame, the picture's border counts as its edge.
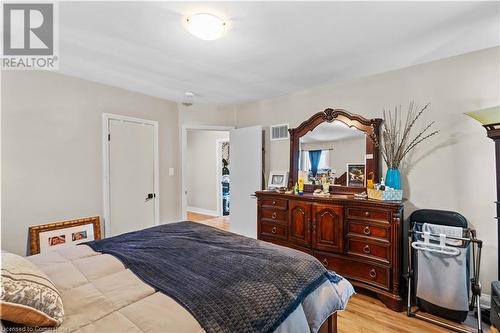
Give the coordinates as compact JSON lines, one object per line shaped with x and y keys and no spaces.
{"x":206,"y":26}
{"x":189,"y":94}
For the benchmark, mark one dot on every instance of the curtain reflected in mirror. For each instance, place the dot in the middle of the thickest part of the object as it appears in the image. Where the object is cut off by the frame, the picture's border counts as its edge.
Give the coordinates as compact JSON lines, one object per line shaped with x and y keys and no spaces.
{"x":328,"y":149}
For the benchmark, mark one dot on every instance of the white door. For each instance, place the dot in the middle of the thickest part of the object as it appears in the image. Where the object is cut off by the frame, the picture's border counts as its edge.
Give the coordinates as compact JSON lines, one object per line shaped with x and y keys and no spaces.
{"x":246,"y":178}
{"x":131,"y":192}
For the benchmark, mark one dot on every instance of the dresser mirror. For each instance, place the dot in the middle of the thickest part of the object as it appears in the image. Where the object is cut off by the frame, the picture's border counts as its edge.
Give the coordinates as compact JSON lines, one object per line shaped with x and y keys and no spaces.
{"x":335,"y":144}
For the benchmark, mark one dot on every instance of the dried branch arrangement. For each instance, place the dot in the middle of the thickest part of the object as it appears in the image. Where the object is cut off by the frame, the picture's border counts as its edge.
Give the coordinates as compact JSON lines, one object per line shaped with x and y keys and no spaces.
{"x":397,"y":142}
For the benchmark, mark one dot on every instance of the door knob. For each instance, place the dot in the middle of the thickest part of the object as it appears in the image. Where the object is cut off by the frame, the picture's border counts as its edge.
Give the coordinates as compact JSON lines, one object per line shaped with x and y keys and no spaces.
{"x":150,"y":196}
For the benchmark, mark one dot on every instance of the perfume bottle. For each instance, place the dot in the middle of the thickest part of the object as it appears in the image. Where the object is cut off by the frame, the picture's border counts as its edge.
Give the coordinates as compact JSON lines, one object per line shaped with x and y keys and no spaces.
{"x":382,"y":184}
{"x":301,"y":186}
{"x":370,"y":181}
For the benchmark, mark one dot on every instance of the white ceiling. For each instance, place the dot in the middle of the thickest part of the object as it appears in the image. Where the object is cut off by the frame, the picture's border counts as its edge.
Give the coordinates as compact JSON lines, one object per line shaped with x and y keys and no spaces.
{"x":271,"y":49}
{"x":333,"y":131}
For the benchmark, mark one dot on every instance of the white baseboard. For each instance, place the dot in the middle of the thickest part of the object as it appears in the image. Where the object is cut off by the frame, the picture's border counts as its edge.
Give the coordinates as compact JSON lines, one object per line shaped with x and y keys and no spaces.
{"x":202,"y":211}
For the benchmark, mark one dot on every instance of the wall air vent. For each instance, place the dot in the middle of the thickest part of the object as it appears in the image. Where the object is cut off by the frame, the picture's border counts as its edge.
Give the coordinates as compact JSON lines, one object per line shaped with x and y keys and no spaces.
{"x":279,"y":132}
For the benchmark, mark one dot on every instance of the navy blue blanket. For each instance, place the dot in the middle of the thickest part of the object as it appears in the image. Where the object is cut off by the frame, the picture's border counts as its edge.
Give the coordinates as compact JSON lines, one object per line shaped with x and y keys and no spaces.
{"x":229,"y":283}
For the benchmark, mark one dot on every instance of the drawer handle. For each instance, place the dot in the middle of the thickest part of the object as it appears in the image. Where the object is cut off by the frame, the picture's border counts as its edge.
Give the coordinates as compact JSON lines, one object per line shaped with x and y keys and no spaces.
{"x":373,"y":274}
{"x":367,"y":249}
{"x":367,"y":213}
{"x":274,"y":230}
{"x":367,"y":230}
{"x":325,"y":262}
{"x":274,"y":202}
{"x":274,"y":216}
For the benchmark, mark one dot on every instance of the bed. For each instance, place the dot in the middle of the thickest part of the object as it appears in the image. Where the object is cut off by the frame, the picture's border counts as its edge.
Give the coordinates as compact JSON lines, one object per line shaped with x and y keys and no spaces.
{"x":100,"y":294}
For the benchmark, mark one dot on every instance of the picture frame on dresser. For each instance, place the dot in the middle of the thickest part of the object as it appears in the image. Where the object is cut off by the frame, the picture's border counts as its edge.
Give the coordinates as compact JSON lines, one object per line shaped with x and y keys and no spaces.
{"x":277,"y":179}
{"x":53,"y":236}
{"x":356,"y":175}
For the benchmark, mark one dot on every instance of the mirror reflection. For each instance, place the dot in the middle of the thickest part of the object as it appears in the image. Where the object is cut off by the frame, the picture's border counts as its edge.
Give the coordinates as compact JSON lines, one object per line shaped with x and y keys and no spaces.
{"x":331,"y":150}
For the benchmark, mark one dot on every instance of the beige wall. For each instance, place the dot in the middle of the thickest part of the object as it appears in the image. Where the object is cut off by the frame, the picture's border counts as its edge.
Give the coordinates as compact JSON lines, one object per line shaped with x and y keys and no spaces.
{"x":201,"y":168}
{"x":348,"y":151}
{"x":51,"y":143}
{"x":205,"y":114}
{"x":52,"y":151}
{"x":454,"y":170}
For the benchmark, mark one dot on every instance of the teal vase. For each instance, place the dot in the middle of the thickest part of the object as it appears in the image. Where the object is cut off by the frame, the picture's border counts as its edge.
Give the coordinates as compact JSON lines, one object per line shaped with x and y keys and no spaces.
{"x":393,"y":178}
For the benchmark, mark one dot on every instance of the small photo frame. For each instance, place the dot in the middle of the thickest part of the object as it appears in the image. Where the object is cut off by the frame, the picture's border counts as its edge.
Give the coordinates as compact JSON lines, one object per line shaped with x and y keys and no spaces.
{"x":53,"y":236}
{"x":277,"y":179}
{"x":356,"y":175}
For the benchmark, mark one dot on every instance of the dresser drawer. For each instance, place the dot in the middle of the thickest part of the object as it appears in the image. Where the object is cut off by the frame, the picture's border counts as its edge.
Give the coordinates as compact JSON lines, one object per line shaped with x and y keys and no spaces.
{"x":274,"y":203}
{"x":369,"y":214}
{"x":369,"y":273}
{"x":273,"y":230}
{"x":365,"y":228}
{"x":366,"y":248}
{"x":273,"y":214}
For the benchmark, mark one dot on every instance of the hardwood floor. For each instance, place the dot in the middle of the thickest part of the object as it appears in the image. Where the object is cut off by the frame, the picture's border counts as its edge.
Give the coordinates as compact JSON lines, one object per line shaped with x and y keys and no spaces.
{"x":364,"y":313}
{"x":197,"y":217}
{"x":218,"y":222}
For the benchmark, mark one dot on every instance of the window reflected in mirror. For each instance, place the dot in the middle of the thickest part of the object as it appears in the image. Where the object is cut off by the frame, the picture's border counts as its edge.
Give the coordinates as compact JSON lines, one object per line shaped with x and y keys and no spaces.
{"x":328,"y":149}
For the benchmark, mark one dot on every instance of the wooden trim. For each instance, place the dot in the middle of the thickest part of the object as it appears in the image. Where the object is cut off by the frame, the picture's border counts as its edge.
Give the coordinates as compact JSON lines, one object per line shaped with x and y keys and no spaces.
{"x":347,"y":199}
{"x":34,"y":231}
{"x":342,"y":180}
{"x":369,"y":126}
{"x":329,"y":325}
{"x":397,"y":241}
{"x":332,"y":323}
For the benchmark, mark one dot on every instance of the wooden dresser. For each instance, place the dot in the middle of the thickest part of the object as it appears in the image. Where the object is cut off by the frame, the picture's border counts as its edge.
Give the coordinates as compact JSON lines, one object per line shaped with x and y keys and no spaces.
{"x":359,"y":239}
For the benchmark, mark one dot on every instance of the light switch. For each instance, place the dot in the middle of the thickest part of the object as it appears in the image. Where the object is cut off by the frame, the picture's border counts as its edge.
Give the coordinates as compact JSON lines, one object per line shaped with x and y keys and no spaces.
{"x":170,"y":171}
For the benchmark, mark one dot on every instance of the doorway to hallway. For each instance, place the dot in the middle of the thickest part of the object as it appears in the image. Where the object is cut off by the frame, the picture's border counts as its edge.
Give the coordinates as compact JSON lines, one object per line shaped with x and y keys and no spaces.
{"x":207,"y":173}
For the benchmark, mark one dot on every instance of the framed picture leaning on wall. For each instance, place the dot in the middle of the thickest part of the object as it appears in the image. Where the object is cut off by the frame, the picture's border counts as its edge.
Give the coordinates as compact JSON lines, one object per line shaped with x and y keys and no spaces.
{"x":53,"y":236}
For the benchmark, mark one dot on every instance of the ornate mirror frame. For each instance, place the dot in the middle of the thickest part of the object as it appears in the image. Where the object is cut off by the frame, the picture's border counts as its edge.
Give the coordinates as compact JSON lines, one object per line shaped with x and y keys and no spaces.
{"x":369,"y":126}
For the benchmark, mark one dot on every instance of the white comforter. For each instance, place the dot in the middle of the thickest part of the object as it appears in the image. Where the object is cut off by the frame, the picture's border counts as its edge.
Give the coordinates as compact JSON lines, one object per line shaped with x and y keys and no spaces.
{"x":100,"y":295}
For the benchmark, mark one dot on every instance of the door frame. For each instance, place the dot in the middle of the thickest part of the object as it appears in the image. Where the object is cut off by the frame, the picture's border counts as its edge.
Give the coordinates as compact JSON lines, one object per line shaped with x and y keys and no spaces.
{"x":218,"y":170}
{"x":184,"y":130}
{"x":106,"y":117}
